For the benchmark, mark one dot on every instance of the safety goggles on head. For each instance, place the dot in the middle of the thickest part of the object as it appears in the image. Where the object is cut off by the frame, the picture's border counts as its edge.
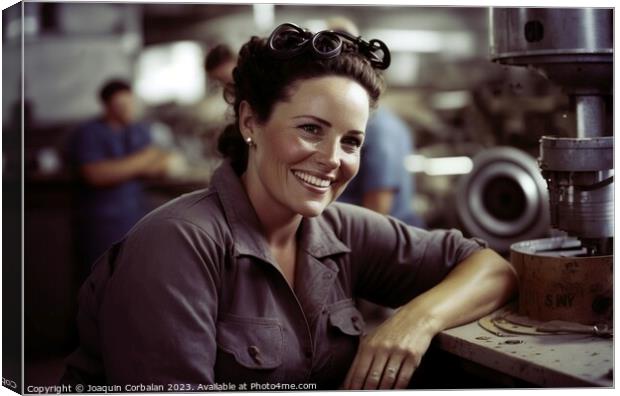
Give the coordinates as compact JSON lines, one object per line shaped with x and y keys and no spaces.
{"x":289,"y":40}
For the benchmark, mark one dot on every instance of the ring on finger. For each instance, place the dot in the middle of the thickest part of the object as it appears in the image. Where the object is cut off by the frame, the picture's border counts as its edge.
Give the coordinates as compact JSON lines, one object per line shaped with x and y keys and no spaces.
{"x":391,"y":372}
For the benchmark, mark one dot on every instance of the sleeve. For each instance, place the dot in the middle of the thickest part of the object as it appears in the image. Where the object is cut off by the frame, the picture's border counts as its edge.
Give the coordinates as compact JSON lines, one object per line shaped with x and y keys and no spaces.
{"x":140,"y":136}
{"x":393,"y":262}
{"x":381,"y":159}
{"x":157,"y":319}
{"x":88,"y":145}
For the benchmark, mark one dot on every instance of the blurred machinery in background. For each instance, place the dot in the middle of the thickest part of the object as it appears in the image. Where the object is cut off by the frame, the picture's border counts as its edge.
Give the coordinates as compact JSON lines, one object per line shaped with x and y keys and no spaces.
{"x":568,"y":278}
{"x":504,"y":198}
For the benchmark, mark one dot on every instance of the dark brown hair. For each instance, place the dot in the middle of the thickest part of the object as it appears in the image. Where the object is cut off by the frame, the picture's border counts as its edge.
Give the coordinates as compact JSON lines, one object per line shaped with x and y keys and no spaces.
{"x":262,"y":81}
{"x":219,"y":55}
{"x":111,"y":88}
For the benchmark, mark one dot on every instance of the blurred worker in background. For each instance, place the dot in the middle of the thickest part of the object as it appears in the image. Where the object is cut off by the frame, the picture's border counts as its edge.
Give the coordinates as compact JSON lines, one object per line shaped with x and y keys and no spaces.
{"x":111,"y":154}
{"x":219,"y":64}
{"x":382,"y":183}
{"x":213,"y":112}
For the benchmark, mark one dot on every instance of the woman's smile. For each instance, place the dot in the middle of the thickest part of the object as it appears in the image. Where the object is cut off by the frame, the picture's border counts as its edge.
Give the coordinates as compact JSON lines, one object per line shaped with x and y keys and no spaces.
{"x":314,"y":183}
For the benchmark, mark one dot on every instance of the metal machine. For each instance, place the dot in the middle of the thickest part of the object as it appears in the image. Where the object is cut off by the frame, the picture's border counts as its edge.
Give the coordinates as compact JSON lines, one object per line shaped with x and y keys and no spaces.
{"x":504,"y":198}
{"x":573,"y":48}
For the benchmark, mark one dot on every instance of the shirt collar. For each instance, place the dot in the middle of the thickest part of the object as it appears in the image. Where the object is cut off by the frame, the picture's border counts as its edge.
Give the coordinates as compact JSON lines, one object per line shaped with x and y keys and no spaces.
{"x":317,"y":238}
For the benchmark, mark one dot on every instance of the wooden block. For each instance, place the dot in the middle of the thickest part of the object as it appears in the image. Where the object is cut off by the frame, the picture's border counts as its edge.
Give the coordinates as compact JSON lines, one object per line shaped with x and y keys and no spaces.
{"x":574,"y":289}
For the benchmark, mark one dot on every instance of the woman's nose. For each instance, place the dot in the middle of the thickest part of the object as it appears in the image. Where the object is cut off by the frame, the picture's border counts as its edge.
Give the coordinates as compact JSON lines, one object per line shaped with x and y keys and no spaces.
{"x":329,"y":154}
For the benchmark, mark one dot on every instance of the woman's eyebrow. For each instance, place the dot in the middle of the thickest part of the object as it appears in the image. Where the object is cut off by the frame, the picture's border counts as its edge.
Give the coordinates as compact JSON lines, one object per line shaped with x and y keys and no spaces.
{"x":326,"y":123}
{"x":322,"y":121}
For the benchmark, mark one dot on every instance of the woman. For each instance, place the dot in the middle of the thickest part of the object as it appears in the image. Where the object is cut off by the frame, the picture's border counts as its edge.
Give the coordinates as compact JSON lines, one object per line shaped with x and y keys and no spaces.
{"x":252,"y":280}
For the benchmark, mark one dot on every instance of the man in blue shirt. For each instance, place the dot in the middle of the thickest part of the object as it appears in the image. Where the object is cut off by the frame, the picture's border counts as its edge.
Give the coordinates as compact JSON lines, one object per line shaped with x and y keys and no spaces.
{"x":382,"y":183}
{"x":111,"y":154}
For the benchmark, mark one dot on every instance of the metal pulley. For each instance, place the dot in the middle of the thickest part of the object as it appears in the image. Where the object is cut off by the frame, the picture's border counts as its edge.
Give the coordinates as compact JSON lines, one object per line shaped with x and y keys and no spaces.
{"x":504,"y":198}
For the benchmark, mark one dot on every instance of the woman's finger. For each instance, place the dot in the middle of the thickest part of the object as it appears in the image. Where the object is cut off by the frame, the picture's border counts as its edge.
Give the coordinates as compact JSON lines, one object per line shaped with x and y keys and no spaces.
{"x":390,"y":373}
{"x":357,"y":373}
{"x":407,"y":369}
{"x":375,"y":371}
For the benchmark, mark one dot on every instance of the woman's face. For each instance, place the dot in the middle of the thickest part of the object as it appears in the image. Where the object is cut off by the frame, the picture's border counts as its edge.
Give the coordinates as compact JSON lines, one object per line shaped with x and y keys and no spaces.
{"x":309,"y":149}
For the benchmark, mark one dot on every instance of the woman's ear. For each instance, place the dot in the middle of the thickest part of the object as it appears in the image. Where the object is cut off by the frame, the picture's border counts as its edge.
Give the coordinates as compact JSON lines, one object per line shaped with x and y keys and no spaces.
{"x":247,"y":120}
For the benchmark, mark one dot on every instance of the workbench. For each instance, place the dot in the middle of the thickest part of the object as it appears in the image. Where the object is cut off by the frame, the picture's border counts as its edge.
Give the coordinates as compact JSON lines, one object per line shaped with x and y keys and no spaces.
{"x":574,"y":360}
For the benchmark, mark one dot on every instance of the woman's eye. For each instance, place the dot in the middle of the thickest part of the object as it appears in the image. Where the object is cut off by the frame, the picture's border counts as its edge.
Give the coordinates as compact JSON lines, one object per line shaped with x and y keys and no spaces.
{"x":352,"y":142}
{"x":310,"y":128}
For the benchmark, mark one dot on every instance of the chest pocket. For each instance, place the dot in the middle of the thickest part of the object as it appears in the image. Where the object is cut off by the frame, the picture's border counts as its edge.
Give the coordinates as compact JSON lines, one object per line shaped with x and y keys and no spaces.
{"x":249,"y":349}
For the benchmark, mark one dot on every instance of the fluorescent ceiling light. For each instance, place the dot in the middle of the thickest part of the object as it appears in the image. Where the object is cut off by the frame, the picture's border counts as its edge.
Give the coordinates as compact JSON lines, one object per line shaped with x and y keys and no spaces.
{"x":424,"y":41}
{"x":171,"y":73}
{"x":442,"y":166}
{"x":264,"y":16}
{"x":450,"y":100}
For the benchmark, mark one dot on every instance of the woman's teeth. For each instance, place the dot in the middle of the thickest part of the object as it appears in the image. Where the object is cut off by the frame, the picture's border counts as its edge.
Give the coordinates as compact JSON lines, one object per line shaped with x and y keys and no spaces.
{"x":315,"y":181}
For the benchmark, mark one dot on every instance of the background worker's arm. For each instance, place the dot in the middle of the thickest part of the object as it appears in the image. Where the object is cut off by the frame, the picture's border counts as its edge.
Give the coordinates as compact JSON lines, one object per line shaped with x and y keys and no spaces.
{"x":149,"y":161}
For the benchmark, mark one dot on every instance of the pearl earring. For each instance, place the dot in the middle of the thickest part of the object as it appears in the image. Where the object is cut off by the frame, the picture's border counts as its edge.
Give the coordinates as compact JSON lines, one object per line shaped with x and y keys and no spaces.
{"x":249,"y":141}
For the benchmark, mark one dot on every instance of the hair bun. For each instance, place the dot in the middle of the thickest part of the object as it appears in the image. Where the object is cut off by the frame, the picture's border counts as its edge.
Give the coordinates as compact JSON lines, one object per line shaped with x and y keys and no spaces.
{"x":231,"y":145}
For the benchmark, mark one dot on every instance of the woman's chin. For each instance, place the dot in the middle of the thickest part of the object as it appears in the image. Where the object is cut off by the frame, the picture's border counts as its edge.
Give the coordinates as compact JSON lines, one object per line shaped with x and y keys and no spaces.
{"x":311,"y":208}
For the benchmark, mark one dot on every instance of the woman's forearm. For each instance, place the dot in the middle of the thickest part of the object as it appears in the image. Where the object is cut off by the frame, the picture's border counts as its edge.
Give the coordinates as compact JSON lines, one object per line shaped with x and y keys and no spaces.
{"x":475,"y":287}
{"x":389,"y":356}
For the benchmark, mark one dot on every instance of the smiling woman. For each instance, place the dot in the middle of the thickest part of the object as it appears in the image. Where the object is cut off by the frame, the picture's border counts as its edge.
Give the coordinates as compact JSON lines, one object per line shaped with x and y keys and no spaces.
{"x":253,"y":280}
{"x":309,"y":149}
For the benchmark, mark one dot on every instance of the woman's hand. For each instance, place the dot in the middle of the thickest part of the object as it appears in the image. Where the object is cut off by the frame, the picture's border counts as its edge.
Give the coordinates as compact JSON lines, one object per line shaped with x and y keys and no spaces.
{"x":475,"y":287}
{"x":388,"y":357}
